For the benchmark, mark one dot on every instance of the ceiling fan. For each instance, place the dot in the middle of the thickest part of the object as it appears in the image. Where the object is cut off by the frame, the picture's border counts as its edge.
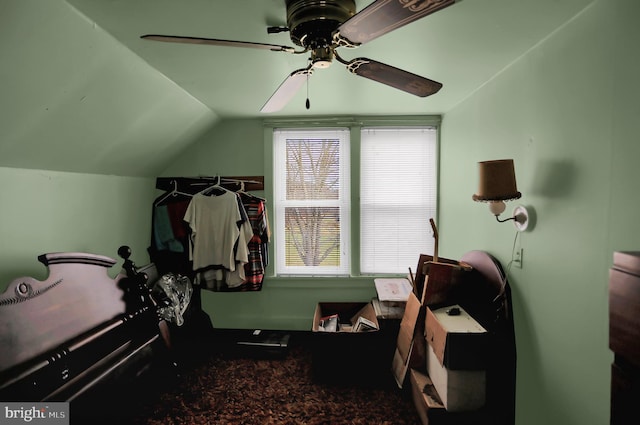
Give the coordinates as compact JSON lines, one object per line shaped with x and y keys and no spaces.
{"x":320,"y":27}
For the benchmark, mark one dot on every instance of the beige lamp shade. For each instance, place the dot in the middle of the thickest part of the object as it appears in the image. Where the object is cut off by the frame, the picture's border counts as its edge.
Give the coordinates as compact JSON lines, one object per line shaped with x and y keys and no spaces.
{"x":497,"y":181}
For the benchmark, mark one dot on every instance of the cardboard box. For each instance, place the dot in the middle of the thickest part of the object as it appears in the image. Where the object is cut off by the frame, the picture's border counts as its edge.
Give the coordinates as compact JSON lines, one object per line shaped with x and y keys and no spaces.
{"x":348,"y":314}
{"x":430,"y":408}
{"x":459,"y":390}
{"x":458,"y":340}
{"x":407,"y":353}
{"x":345,"y":356}
{"x":425,"y":398}
{"x":412,"y":314}
{"x":411,"y":350}
{"x":392,"y":297}
{"x":388,"y":310}
{"x":456,"y":357}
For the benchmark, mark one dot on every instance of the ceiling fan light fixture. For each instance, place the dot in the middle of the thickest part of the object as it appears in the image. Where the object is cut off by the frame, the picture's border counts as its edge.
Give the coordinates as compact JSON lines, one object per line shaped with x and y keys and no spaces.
{"x":321,"y":64}
{"x":321,"y":57}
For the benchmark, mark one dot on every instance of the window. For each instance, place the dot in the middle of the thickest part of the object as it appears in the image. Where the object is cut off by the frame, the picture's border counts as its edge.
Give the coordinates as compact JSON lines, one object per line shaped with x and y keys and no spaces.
{"x":311,"y":189}
{"x":397,"y":197}
{"x":394,"y":170}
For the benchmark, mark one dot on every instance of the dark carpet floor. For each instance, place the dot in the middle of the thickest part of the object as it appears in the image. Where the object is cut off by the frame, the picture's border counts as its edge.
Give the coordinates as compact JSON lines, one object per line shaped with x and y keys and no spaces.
{"x":224,"y":385}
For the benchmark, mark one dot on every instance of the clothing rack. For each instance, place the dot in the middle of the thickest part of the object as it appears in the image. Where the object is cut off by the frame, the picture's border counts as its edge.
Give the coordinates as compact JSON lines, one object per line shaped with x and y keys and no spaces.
{"x":174,"y":223}
{"x":193,"y":185}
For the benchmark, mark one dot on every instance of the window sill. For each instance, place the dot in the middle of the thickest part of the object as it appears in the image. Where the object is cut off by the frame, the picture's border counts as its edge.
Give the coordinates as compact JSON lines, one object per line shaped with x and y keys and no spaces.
{"x":318,"y":282}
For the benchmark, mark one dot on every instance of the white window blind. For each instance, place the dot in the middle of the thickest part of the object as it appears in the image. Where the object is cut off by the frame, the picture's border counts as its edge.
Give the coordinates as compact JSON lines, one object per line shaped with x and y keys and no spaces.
{"x":398,"y":195}
{"x":311,"y":189}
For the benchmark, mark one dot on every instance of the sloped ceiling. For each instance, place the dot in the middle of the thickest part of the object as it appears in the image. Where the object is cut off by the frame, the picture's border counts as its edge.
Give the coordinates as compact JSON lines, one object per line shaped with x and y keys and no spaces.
{"x":461,"y":46}
{"x":82,"y":92}
{"x":75,"y":99}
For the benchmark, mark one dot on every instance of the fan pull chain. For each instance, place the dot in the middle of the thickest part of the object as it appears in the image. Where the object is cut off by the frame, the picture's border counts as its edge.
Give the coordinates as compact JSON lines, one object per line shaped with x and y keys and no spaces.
{"x":308,"y":102}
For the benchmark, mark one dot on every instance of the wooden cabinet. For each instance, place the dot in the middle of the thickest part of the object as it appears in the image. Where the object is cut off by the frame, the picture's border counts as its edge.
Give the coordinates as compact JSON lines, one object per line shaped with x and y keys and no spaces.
{"x":624,"y":336}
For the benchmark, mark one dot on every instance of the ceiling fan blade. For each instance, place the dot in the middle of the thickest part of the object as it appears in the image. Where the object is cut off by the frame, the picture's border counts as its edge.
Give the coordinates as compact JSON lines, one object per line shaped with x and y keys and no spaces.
{"x":217,"y":42}
{"x":394,"y":77}
{"x":383,"y":16}
{"x":287,"y":90}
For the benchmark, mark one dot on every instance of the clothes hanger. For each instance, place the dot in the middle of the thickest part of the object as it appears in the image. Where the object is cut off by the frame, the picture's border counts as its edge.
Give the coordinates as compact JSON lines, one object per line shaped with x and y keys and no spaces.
{"x":174,"y":192}
{"x":216,"y":185}
{"x":250,"y":195}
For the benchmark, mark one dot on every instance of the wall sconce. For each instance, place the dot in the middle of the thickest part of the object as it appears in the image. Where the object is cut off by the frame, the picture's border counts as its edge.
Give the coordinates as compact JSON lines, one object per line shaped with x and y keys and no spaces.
{"x":497,"y":185}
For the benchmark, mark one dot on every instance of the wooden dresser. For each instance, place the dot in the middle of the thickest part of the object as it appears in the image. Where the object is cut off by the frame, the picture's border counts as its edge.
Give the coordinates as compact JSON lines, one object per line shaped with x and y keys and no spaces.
{"x":624,"y":336}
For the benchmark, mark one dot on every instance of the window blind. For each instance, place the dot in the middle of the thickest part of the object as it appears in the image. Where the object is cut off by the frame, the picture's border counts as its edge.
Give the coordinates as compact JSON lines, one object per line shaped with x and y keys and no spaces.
{"x":398,"y":195}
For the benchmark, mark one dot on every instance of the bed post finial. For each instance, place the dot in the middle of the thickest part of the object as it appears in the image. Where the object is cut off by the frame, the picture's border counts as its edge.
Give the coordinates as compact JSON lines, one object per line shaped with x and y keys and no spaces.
{"x":137,"y":294}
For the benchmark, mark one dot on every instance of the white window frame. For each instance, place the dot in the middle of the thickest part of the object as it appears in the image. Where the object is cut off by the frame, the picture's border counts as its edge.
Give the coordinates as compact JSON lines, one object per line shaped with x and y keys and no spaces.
{"x":355,"y":125}
{"x":281,"y":203}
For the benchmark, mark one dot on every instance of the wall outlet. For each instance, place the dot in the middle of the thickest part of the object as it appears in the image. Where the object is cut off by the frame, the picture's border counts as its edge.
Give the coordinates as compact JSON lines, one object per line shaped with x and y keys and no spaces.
{"x":517,"y":259}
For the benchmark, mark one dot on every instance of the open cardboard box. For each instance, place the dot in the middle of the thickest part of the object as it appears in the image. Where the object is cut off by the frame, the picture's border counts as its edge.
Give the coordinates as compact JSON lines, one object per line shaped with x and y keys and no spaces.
{"x":457,"y":348}
{"x":411,"y":349}
{"x":459,"y":341}
{"x":408,"y":351}
{"x":355,"y":357}
{"x":430,"y":408}
{"x":348,"y":314}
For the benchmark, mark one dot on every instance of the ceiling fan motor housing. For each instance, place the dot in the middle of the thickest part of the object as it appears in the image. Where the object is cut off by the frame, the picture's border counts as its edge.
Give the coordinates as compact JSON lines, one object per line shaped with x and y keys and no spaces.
{"x":312,"y":22}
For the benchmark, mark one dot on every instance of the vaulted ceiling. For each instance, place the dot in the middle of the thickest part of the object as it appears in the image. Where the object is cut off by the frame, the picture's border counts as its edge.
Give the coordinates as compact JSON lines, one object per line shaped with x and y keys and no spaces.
{"x":461,"y":46}
{"x":77,"y":77}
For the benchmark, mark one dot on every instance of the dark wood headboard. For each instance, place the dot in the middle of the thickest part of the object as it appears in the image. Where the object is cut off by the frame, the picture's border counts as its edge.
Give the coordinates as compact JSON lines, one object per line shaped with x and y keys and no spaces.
{"x":36,"y":316}
{"x":489,"y":300}
{"x":77,"y":329}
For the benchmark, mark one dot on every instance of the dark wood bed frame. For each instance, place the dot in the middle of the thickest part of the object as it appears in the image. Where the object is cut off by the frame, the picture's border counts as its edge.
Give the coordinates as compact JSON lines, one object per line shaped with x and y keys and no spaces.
{"x":78,"y":330}
{"x":487,"y":297}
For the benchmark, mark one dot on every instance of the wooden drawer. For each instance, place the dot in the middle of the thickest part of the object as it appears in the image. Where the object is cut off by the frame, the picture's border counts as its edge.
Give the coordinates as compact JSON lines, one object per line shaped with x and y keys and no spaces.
{"x":625,"y":393}
{"x":624,"y":315}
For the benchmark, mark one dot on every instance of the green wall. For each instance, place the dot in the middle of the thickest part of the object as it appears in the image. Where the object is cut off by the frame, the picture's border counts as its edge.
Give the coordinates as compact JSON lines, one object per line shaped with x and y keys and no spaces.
{"x":567,"y":113}
{"x":50,"y":211}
